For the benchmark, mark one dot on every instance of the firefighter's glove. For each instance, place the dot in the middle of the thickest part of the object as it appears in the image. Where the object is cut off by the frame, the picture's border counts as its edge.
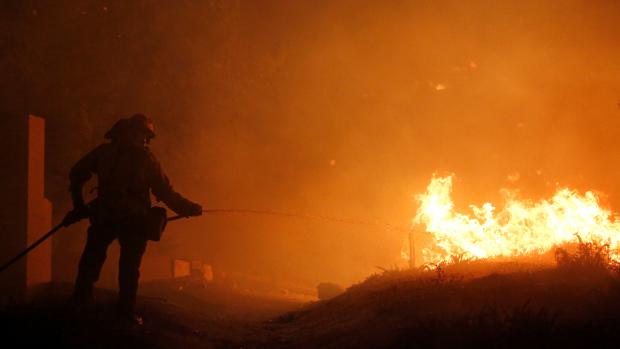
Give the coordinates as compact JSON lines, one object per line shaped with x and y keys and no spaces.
{"x":192,"y":209}
{"x":77,"y":214}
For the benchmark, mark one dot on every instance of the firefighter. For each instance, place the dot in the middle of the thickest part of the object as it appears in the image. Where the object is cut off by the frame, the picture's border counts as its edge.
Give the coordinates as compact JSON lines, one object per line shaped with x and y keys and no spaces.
{"x":127,"y":171}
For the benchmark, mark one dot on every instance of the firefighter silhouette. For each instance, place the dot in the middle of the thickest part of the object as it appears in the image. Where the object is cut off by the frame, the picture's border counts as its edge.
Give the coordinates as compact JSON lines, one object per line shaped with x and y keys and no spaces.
{"x":127,"y":171}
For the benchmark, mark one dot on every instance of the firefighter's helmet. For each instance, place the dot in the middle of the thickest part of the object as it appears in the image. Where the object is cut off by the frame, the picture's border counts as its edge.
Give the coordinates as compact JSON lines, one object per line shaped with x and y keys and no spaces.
{"x":137,"y":122}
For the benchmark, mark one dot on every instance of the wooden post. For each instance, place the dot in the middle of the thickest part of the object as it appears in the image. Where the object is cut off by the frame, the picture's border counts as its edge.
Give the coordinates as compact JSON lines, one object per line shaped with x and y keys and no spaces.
{"x":411,"y":249}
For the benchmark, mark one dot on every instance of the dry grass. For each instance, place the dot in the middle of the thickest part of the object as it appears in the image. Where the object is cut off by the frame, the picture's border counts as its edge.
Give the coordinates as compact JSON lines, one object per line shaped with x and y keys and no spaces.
{"x":511,"y":305}
{"x":588,"y":255}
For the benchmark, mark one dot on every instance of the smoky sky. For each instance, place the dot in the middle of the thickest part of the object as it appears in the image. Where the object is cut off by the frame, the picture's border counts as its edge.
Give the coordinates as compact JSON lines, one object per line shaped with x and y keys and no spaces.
{"x":341,"y":108}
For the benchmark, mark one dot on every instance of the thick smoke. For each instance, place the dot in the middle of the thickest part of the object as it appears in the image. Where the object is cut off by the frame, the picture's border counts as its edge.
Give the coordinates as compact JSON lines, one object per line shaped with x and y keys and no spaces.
{"x":344,"y":108}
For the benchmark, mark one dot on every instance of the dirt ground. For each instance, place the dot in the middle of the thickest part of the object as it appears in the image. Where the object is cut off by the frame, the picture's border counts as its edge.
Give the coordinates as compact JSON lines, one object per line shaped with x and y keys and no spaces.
{"x":176,"y":315}
{"x":476,"y":305}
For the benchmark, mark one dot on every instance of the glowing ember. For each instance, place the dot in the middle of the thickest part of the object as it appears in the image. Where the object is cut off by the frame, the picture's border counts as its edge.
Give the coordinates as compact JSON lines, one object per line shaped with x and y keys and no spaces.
{"x":521,"y":227}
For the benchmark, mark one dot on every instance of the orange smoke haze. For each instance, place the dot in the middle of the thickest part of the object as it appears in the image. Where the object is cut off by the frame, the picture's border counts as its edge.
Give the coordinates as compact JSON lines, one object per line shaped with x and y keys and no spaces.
{"x":340,"y":108}
{"x":504,"y":94}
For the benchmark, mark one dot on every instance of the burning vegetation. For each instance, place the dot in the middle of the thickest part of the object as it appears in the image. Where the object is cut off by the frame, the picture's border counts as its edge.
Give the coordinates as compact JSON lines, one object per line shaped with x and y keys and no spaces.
{"x":521,"y":228}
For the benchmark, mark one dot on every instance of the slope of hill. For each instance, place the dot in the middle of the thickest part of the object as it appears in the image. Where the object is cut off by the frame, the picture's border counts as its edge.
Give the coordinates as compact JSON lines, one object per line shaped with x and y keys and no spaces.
{"x":524,"y":308}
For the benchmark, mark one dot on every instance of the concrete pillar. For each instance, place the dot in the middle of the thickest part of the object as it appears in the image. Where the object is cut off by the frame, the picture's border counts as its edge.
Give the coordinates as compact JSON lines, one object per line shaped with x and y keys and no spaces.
{"x":39,"y":214}
{"x":25,"y":214}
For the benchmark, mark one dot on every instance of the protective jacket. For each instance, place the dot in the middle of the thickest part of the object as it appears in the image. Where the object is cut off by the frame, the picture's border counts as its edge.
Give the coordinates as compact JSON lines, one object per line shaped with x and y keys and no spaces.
{"x":126,"y":176}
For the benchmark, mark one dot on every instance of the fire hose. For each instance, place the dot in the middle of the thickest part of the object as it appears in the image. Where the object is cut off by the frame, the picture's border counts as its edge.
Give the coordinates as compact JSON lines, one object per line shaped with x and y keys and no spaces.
{"x":68,"y":220}
{"x":298,"y":215}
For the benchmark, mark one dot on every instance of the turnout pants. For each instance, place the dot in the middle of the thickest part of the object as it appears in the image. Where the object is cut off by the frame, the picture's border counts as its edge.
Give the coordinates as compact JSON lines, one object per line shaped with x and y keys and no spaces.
{"x":132,"y":240}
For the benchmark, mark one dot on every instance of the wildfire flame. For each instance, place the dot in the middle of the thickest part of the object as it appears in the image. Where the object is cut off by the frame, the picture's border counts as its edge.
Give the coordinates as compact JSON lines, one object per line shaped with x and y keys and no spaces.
{"x":521,"y":227}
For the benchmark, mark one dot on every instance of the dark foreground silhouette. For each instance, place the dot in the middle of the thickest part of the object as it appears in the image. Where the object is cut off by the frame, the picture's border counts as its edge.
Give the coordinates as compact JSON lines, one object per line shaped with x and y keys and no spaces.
{"x":482,"y":305}
{"x":177,"y":314}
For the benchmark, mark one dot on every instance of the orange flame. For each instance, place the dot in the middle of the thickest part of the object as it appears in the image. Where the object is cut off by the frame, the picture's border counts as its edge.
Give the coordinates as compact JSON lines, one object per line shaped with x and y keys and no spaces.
{"x":521,"y":227}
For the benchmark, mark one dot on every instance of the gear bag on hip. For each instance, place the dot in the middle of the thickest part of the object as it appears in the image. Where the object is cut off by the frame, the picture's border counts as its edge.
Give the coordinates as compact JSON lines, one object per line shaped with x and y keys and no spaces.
{"x":156,"y":220}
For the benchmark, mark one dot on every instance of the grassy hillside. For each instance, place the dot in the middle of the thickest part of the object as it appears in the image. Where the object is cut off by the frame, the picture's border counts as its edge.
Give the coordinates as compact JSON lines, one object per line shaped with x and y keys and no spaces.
{"x":514,"y":305}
